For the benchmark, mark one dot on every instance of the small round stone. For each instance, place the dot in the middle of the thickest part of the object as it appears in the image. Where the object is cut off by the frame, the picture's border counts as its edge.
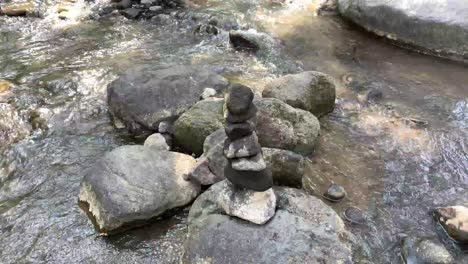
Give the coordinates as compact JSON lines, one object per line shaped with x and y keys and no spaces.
{"x":239,"y":99}
{"x":354,"y":215}
{"x":335,"y":193}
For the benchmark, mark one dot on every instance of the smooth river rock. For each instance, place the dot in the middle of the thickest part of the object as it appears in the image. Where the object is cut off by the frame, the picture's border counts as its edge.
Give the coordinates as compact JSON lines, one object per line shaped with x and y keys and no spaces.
{"x":133,"y":184}
{"x":145,"y":96}
{"x":312,"y":91}
{"x":303,"y":230}
{"x":439,"y":27}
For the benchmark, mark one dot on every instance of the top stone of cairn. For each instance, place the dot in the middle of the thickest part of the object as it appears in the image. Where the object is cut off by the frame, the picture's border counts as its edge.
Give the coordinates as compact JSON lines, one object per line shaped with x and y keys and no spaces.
{"x":239,"y":99}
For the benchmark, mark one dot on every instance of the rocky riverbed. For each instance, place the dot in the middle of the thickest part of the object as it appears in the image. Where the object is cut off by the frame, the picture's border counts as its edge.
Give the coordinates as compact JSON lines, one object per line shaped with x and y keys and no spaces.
{"x":394,"y":137}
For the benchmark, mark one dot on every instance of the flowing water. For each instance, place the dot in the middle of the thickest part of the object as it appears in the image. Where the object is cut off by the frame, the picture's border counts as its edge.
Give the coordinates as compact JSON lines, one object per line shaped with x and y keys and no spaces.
{"x":396,"y":141}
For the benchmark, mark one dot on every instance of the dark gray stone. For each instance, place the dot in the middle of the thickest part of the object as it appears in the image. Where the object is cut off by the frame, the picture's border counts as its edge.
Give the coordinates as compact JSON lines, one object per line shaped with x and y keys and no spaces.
{"x":145,"y":96}
{"x":303,"y":230}
{"x":240,"y":118}
{"x":415,"y":23}
{"x":259,"y":181}
{"x":252,"y":41}
{"x":239,"y":99}
{"x":239,"y":130}
{"x":243,"y":147}
{"x":133,"y":184}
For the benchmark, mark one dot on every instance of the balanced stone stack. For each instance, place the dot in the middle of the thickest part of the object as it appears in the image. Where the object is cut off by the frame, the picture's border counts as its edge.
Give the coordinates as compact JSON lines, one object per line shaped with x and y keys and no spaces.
{"x":247,"y":168}
{"x":247,"y":194}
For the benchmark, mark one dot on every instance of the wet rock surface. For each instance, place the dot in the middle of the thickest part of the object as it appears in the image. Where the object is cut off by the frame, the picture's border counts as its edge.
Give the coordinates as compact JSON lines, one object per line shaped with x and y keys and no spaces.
{"x":146,"y":96}
{"x":303,"y":230}
{"x":413,"y":23}
{"x":425,"y":251}
{"x":133,"y":184}
{"x":311,"y":91}
{"x":12,"y":127}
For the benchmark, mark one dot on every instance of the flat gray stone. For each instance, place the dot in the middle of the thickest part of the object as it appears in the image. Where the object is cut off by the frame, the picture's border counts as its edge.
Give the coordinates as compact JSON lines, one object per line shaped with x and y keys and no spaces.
{"x":255,"y":163}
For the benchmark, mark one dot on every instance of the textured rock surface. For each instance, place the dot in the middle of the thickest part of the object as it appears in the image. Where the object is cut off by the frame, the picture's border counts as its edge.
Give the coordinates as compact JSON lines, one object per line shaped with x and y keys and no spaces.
{"x":243,"y":147}
{"x":239,"y":99}
{"x":311,"y":91}
{"x":303,"y":230}
{"x":255,"y":207}
{"x":145,"y":96}
{"x":133,"y":184}
{"x":415,"y":22}
{"x":285,"y":127}
{"x":253,"y":180}
{"x":454,"y":219}
{"x":192,"y":127}
{"x":425,"y":251}
{"x":279,"y":125}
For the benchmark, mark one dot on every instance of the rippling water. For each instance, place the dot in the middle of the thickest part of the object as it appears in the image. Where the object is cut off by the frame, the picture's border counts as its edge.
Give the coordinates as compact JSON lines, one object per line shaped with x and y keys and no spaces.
{"x":398,"y":156}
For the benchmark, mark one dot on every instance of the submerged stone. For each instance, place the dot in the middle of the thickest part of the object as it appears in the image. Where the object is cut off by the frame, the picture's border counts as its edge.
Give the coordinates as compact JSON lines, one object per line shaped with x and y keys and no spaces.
{"x":335,"y":193}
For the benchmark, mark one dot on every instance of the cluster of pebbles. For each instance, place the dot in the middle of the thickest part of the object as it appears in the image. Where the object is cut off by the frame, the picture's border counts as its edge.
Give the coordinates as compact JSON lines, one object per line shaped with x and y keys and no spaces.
{"x":247,"y":168}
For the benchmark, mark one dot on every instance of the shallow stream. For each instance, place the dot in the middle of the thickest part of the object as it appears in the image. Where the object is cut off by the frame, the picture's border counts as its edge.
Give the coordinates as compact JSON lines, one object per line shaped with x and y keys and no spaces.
{"x":396,"y":140}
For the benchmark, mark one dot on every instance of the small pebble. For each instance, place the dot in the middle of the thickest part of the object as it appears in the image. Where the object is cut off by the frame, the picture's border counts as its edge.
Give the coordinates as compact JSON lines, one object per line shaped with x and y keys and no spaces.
{"x":335,"y":193}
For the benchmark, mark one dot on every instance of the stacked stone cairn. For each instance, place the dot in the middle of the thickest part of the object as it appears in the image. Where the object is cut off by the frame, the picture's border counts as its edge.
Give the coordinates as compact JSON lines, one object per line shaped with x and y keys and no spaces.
{"x":249,"y":195}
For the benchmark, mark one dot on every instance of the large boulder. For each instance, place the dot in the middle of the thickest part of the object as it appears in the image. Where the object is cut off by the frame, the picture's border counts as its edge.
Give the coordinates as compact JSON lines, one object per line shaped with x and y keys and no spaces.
{"x":287,"y":167}
{"x":133,"y":184}
{"x":415,"y":23}
{"x":454,"y":219}
{"x":193,"y":126}
{"x":279,"y":125}
{"x":282,"y":126}
{"x":303,"y":230}
{"x":311,"y":91}
{"x":145,"y":96}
